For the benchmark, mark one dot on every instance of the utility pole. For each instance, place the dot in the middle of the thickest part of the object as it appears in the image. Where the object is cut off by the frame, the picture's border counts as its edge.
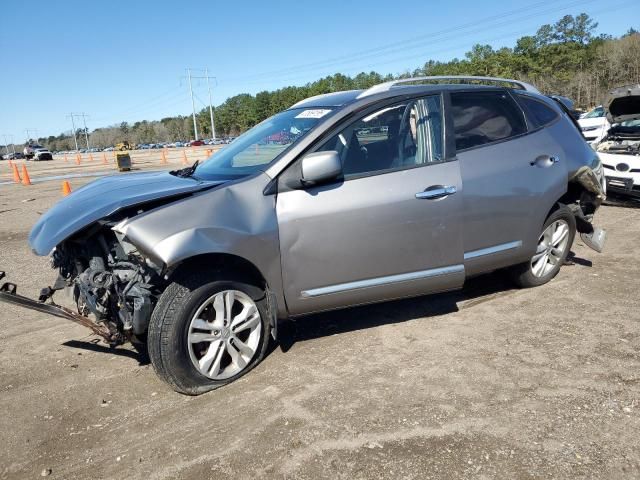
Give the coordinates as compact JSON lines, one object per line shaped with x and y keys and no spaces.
{"x":86,"y":131}
{"x":27,"y":130}
{"x":73,"y":125}
{"x":6,"y":143}
{"x":208,"y":79}
{"x":213,"y":126}
{"x":193,"y":105}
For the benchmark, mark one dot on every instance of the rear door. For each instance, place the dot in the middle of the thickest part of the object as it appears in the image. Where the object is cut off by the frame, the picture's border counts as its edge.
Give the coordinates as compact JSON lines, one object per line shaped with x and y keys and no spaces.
{"x":512,"y":175}
{"x":390,"y":229}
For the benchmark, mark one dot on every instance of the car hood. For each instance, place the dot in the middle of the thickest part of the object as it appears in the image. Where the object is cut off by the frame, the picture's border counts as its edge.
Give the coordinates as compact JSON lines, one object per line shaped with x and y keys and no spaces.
{"x":623,"y":104}
{"x":105,"y":197}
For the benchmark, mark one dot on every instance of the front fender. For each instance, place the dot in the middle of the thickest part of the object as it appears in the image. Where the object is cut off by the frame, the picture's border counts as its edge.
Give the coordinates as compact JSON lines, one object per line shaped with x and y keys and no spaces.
{"x":236,"y":219}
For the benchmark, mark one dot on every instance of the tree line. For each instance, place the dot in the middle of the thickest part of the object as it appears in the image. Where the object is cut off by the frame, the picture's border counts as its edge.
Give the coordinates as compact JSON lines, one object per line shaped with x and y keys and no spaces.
{"x":566,"y":58}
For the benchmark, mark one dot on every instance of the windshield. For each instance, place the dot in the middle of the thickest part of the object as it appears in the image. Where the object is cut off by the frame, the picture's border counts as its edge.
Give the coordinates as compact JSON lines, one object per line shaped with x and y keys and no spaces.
{"x":595,"y":113}
{"x":259,"y":146}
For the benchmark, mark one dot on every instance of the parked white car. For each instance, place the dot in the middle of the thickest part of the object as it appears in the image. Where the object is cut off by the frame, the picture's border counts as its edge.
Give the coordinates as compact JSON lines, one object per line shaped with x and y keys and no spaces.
{"x":594,"y":125}
{"x":619,"y":150}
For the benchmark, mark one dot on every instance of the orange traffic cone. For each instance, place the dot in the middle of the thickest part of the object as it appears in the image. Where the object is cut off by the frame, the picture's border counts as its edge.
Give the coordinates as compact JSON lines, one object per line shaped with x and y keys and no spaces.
{"x":78,"y":159}
{"x":184,"y":158}
{"x":16,"y":174}
{"x":163,"y":160}
{"x":209,"y":151}
{"x":90,"y":157}
{"x":104,"y":158}
{"x":66,"y":188}
{"x":25,"y":176}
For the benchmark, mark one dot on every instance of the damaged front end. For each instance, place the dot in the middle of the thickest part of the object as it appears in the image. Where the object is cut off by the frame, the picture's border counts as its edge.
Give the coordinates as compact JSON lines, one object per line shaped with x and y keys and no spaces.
{"x":113,"y":287}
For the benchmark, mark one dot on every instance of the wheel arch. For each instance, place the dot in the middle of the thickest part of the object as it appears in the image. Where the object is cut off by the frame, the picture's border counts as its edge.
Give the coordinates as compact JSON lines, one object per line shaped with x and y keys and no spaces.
{"x":581,"y":198}
{"x":234,"y":267}
{"x":238,"y":267}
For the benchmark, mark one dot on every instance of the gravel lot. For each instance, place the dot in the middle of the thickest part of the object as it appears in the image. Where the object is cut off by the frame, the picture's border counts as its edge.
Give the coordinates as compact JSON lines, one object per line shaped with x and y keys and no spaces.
{"x":490,"y":382}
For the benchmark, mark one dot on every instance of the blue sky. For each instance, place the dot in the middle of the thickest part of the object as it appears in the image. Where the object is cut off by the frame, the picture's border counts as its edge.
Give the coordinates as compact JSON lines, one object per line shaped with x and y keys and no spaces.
{"x":120,"y":60}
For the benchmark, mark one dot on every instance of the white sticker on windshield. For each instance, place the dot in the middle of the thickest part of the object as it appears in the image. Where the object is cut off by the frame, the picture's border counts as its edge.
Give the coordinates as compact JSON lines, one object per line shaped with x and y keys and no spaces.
{"x":317,"y":113}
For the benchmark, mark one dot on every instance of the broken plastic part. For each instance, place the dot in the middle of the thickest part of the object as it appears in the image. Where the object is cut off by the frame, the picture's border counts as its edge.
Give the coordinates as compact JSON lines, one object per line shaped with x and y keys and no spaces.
{"x":8,"y":295}
{"x":595,"y":240}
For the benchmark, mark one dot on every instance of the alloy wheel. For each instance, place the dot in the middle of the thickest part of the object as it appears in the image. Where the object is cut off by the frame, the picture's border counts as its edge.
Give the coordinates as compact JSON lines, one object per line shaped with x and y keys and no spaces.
{"x":224,"y":334}
{"x":551,"y":247}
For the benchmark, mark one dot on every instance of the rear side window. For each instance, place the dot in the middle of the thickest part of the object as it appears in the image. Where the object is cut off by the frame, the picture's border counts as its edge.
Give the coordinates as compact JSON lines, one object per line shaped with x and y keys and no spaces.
{"x":480,"y":118}
{"x":538,"y":113}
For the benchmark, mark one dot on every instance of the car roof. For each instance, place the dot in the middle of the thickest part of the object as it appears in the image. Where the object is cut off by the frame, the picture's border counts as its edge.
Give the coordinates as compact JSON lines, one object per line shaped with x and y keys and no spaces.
{"x":336,"y":99}
{"x":342,"y":99}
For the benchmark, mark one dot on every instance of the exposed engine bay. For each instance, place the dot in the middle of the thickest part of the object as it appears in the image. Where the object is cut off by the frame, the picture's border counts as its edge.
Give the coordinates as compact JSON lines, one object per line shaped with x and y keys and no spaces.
{"x":109,"y":281}
{"x":621,"y":140}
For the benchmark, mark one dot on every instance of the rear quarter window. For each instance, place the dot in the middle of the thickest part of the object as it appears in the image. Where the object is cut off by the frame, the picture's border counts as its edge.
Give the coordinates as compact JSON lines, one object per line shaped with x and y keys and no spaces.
{"x":537,"y":112}
{"x":480,"y":118}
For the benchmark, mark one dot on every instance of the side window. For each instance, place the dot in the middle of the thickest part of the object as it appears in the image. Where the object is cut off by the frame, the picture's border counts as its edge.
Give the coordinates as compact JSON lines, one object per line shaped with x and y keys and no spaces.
{"x":401,"y":135}
{"x":484,"y":117}
{"x":538,"y":113}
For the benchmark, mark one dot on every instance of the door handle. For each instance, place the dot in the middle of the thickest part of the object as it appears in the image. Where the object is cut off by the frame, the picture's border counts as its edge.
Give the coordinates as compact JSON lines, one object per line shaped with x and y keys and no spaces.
{"x":545,"y":161}
{"x":436,"y":191}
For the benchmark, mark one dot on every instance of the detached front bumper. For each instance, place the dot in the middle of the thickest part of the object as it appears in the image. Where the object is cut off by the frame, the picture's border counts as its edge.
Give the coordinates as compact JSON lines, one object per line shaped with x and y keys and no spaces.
{"x":8,"y":295}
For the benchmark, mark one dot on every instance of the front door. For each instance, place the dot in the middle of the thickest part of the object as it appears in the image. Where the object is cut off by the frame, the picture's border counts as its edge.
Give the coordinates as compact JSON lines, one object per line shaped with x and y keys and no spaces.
{"x":390,"y":229}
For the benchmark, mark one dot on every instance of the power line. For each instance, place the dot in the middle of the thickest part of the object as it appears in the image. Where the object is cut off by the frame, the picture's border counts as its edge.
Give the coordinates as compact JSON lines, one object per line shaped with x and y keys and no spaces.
{"x":168,"y":102}
{"x":419,"y":41}
{"x":146,"y":105}
{"x":29,"y":137}
{"x":360,"y":67}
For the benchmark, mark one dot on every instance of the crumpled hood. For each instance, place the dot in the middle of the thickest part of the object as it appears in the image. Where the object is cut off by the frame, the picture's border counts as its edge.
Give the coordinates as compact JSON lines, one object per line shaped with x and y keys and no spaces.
{"x":102,"y":198}
{"x":623,"y":104}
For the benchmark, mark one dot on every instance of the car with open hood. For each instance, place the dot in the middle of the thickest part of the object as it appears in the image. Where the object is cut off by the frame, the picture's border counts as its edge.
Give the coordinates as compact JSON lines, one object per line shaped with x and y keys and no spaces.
{"x":405,"y":189}
{"x":619,"y":148}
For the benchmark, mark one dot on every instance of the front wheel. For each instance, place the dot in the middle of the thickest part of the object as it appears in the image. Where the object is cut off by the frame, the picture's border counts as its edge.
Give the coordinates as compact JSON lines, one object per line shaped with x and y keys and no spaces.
{"x":206,"y":333}
{"x":551,"y":252}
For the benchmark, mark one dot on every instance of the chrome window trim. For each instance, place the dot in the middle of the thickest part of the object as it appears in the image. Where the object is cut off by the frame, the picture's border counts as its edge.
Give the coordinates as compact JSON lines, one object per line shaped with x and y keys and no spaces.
{"x":380,"y":281}
{"x":503,"y":247}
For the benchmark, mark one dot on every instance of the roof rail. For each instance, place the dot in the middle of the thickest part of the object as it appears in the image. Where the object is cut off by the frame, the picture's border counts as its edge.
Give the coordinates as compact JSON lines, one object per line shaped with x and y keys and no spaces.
{"x":384,"y":87}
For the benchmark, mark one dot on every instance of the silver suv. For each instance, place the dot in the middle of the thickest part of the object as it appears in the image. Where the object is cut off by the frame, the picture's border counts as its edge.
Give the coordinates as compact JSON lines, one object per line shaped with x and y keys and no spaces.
{"x":404,"y":189}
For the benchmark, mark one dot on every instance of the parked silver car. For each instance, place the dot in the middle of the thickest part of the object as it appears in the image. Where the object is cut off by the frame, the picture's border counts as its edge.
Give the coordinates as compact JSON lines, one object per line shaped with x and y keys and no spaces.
{"x":404,"y":189}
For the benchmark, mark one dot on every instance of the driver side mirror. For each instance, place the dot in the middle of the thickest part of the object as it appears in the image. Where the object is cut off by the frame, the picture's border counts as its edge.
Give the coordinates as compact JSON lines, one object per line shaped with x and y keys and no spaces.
{"x":320,"y":167}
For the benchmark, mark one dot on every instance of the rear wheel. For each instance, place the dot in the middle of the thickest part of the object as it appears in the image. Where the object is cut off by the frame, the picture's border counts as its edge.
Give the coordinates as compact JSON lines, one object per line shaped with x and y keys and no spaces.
{"x":206,"y":333}
{"x":551,"y":252}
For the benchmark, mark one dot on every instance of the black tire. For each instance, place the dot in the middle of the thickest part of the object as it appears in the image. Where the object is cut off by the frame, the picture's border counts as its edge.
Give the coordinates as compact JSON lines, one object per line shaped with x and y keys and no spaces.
{"x":168,"y":329}
{"x":522,"y":274}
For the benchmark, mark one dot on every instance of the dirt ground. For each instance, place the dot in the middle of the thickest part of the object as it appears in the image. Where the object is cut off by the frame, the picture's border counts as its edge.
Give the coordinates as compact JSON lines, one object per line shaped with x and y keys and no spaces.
{"x":490,"y":382}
